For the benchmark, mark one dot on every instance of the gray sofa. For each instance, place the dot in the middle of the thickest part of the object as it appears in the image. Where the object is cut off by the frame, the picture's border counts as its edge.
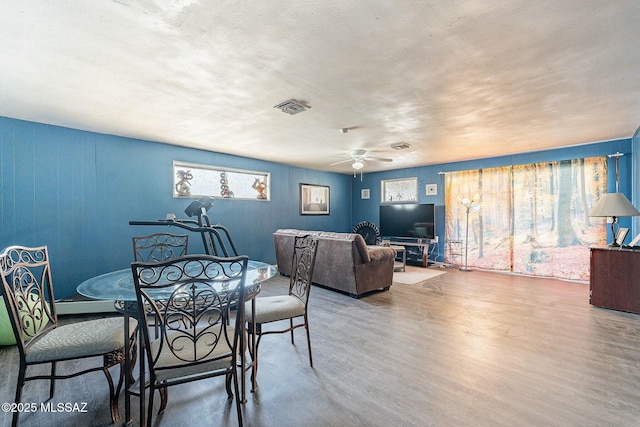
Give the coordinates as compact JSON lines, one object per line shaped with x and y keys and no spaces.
{"x":344,"y":262}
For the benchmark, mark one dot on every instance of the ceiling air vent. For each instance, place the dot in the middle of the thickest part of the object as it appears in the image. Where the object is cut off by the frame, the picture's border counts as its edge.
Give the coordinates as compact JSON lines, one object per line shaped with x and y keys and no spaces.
{"x":400,"y":146}
{"x":292,"y":107}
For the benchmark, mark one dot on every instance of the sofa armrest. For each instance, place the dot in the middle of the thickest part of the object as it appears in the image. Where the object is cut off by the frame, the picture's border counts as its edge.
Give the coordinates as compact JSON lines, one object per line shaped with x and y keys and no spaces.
{"x":381,"y":253}
{"x":378,"y":273}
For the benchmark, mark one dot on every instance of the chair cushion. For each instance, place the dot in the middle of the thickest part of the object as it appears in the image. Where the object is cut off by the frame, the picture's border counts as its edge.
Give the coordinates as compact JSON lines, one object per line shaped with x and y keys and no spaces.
{"x":271,"y":309}
{"x":6,"y":331}
{"x":168,"y":358}
{"x":80,"y":339}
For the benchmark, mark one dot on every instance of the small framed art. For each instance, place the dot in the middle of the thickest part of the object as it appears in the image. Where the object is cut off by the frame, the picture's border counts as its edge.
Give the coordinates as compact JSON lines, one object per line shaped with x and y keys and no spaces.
{"x":314,"y":199}
{"x":622,"y":234}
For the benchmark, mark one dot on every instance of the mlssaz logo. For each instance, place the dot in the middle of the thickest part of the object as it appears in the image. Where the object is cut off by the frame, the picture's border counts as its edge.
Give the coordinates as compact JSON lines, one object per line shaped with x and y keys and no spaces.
{"x":63,"y":407}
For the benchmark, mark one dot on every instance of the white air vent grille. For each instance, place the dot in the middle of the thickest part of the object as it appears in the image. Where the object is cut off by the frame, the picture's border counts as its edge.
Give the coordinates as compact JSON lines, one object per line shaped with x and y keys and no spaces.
{"x":400,"y":146}
{"x":292,"y":107}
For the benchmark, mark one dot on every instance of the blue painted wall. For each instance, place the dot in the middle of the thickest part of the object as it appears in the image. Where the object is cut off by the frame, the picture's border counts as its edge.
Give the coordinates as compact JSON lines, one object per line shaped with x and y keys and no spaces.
{"x":76,"y":192}
{"x":368,"y":210}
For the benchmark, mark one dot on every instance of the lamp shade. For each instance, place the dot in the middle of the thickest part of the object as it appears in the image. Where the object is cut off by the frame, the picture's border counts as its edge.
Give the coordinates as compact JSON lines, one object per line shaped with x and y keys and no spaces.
{"x":614,"y":204}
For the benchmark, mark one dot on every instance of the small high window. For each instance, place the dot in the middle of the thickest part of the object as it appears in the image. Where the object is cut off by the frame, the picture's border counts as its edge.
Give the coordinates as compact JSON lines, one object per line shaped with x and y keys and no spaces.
{"x":399,"y":190}
{"x":193,"y":180}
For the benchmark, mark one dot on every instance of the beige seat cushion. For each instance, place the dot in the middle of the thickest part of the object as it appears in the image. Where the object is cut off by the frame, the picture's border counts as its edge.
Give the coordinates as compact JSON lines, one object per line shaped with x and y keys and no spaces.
{"x":271,"y":309}
{"x":80,"y":339}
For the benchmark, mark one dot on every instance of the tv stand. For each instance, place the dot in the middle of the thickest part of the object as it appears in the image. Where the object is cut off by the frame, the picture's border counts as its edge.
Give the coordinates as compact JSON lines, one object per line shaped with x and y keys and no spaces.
{"x":415,"y":249}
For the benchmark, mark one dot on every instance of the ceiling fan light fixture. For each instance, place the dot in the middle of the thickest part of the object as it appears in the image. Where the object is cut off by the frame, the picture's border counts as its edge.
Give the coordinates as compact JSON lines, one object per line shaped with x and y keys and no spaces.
{"x":357,"y":164}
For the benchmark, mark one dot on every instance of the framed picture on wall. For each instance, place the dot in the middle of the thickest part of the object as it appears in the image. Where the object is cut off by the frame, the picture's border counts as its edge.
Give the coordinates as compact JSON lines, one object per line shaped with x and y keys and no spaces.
{"x":314,"y":199}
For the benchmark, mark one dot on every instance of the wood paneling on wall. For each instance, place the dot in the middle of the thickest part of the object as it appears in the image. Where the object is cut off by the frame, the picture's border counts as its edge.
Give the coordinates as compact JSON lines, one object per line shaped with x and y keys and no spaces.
{"x":76,"y":192}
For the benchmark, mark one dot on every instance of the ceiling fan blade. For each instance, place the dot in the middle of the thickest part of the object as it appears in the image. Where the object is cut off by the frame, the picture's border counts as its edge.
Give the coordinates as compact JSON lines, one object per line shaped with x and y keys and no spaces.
{"x":379,"y":159}
{"x":340,"y":162}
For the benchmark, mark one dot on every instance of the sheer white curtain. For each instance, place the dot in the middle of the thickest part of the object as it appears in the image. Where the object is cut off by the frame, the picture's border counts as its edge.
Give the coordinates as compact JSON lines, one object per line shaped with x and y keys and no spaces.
{"x":532,"y":219}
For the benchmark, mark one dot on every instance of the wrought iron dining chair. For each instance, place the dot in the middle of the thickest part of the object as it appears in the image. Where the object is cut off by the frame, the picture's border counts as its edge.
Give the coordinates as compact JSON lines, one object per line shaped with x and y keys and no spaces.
{"x":292,"y":306}
{"x":159,"y":247}
{"x":27,"y":291}
{"x":200,"y":289}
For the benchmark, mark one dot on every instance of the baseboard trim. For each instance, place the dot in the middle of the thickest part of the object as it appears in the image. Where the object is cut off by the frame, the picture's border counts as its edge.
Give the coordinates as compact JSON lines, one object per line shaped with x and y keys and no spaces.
{"x":84,"y":307}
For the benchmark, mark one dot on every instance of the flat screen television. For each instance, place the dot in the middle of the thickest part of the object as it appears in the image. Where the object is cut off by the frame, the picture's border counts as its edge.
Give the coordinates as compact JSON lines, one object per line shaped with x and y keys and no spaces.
{"x":408,"y":220}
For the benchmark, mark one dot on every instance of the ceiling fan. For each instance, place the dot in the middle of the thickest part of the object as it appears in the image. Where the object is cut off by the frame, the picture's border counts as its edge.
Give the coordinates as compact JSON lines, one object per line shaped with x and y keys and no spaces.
{"x":358,"y":159}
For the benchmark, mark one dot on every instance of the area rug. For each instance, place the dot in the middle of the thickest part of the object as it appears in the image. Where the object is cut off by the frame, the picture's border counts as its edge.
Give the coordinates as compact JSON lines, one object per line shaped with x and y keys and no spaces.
{"x":416,"y":275}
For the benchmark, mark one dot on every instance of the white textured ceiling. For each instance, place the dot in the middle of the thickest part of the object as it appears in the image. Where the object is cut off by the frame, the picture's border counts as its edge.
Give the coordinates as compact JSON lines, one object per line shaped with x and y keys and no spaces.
{"x":455,"y":79}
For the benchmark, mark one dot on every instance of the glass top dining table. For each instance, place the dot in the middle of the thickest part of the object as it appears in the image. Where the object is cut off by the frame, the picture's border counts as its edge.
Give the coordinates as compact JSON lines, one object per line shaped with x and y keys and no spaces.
{"x":118,"y":285}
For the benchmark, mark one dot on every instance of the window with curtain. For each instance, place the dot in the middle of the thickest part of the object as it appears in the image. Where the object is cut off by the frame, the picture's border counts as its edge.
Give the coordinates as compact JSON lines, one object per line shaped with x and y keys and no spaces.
{"x":531,"y":219}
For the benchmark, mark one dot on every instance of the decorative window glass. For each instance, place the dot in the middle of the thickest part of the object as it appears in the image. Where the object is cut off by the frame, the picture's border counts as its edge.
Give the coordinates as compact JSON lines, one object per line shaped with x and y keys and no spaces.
{"x":193,"y":180}
{"x":400,"y":190}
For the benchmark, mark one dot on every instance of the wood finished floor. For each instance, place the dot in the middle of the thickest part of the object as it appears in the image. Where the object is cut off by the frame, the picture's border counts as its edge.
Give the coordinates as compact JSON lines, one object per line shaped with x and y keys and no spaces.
{"x":461,"y":349}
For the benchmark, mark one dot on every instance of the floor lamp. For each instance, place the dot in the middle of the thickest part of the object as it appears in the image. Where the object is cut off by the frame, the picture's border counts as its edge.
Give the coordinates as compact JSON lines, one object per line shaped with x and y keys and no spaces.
{"x":469,"y":205}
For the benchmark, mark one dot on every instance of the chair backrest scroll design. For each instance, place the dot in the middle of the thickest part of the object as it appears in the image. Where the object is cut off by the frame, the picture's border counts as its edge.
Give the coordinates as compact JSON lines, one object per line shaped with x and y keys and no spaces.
{"x":303,"y":262}
{"x":196,"y":293}
{"x":27,"y":291}
{"x":159,"y":247}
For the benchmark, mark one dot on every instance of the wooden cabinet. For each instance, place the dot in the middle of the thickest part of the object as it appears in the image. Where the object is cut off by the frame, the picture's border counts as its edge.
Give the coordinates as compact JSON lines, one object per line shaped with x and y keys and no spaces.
{"x":615,"y":279}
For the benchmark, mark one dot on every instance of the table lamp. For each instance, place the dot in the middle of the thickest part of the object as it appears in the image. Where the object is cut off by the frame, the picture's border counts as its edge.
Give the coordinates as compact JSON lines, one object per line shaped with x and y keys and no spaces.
{"x":614,"y":205}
